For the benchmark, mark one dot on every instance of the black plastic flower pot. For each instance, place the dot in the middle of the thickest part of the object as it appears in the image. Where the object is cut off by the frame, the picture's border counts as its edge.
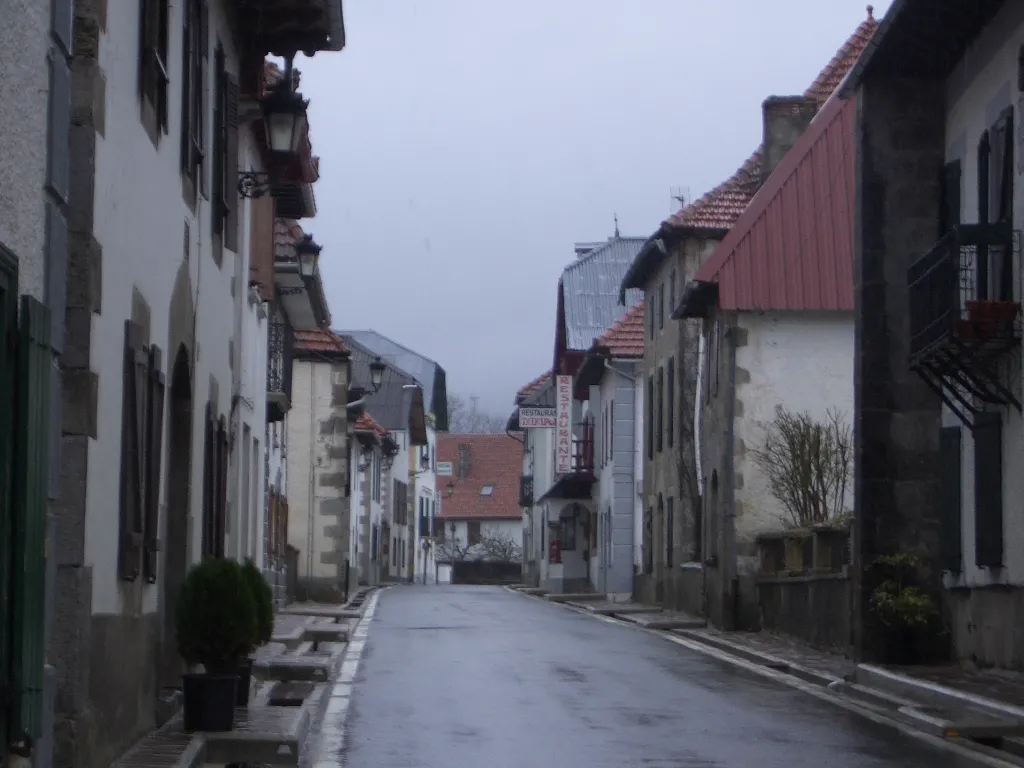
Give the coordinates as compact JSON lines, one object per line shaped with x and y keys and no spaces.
{"x":209,"y":702}
{"x":244,"y":682}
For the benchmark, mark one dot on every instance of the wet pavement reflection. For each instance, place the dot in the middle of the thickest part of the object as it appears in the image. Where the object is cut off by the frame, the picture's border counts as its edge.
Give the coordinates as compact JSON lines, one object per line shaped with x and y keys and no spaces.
{"x":477,"y":677}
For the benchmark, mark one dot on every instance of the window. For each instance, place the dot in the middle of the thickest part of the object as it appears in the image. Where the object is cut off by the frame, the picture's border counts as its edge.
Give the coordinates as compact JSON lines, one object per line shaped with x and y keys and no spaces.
{"x":648,"y":545}
{"x":988,"y":490}
{"x":951,"y":192}
{"x":698,"y":527}
{"x":401,"y":502}
{"x":650,"y":317}
{"x":153,"y":77}
{"x":611,"y":430}
{"x":195,"y":69}
{"x":661,"y":409}
{"x":999,"y":282}
{"x":375,"y":476}
{"x":487,"y":490}
{"x":661,"y":307}
{"x":472,"y":532}
{"x":650,"y":417}
{"x":670,"y":397}
{"x":714,"y":353}
{"x":224,"y":205}
{"x":215,"y":485}
{"x":669,"y":531}
{"x":672,"y":291}
{"x":141,"y":456}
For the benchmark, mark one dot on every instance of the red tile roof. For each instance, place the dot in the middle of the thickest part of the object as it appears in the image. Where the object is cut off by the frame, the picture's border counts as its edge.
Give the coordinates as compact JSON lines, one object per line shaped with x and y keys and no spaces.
{"x":625,"y":339}
{"x":366,"y":423}
{"x":792,"y":249}
{"x":493,"y":460}
{"x":722,"y":206}
{"x":287,"y":232}
{"x":533,"y":386}
{"x":322,"y":341}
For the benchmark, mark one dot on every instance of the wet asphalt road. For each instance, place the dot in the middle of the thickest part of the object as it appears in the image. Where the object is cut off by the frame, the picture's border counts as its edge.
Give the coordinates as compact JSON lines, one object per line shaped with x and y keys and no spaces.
{"x":477,"y":677}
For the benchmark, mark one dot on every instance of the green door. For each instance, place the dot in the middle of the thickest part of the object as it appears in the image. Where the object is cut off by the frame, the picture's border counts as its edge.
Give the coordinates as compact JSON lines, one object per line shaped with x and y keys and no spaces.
{"x":8,"y":368}
{"x":31,"y":475}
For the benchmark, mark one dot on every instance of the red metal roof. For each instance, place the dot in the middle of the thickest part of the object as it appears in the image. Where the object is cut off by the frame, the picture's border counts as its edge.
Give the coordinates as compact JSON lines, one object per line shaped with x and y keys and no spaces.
{"x":722,"y":206}
{"x":792,"y":249}
{"x":321,"y":340}
{"x":494,"y":460}
{"x":625,"y":339}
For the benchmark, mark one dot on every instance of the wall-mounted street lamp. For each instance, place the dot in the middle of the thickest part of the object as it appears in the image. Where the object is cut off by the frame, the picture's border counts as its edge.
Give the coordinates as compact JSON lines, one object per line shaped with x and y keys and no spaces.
{"x":377,"y":373}
{"x":284,"y":125}
{"x":449,"y":490}
{"x":308,"y":252}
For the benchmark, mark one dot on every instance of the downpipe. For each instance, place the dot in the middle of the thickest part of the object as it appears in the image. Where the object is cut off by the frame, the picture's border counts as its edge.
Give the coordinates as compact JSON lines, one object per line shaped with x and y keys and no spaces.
{"x":698,"y":423}
{"x":729,"y":564}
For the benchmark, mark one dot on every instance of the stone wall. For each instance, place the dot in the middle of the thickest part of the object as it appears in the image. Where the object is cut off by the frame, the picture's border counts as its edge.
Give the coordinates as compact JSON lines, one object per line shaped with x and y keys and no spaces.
{"x":900,"y":149}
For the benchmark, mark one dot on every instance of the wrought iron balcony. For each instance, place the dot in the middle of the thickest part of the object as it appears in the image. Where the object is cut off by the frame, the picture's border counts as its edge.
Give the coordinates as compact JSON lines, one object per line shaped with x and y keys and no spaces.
{"x":965,"y":317}
{"x":279,"y":368}
{"x":583,"y":449}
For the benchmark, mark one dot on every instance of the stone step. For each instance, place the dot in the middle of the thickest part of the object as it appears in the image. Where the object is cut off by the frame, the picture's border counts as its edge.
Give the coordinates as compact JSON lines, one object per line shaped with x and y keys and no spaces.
{"x":267,"y":735}
{"x":664,"y":620}
{"x":287,"y":669}
{"x":538,"y":591}
{"x":289,"y":694}
{"x":321,"y":609}
{"x":168,"y":747}
{"x":290,"y":638}
{"x":330,"y":632}
{"x":960,"y":723}
{"x":631,"y":609}
{"x":574,"y":597}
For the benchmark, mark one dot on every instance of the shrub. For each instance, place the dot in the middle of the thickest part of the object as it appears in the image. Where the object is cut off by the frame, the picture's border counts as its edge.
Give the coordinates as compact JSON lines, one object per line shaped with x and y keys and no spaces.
{"x":216,"y":616}
{"x":264,"y":603}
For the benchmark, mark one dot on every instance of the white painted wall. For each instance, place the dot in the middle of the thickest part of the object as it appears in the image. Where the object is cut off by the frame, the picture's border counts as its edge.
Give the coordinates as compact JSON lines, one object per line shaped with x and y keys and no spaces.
{"x":141,"y":223}
{"x":511,"y":527}
{"x":425,"y":487}
{"x":310,"y":459}
{"x":540,"y":461}
{"x":802,"y":361}
{"x":23,"y":126}
{"x":638,"y":472}
{"x":982,"y":85}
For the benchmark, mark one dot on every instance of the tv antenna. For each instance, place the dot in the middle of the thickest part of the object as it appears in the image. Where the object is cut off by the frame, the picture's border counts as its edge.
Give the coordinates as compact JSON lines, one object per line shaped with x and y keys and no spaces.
{"x":680,"y":198}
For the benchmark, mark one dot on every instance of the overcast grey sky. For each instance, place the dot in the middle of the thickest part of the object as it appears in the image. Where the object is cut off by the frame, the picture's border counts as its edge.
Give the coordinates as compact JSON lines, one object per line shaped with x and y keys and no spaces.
{"x":466,"y":144}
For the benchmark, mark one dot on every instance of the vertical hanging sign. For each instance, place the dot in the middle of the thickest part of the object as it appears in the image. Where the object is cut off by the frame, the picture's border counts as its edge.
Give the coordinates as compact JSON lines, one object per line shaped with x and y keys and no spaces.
{"x":563,"y":424}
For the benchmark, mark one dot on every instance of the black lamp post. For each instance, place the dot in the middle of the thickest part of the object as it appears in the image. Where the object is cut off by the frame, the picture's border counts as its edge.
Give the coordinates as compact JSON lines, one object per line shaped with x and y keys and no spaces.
{"x":308,"y":252}
{"x":284,"y":124}
{"x":377,"y":373}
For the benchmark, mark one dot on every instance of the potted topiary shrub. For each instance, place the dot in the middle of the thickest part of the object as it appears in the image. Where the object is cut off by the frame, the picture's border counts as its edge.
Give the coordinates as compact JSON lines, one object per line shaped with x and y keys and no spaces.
{"x":216,"y":628}
{"x":264,"y":602}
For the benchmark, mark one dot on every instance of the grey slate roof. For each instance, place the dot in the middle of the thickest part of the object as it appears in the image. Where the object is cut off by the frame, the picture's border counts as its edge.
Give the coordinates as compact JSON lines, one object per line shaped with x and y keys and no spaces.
{"x":390,"y":406}
{"x":427,"y":373}
{"x":590,"y":289}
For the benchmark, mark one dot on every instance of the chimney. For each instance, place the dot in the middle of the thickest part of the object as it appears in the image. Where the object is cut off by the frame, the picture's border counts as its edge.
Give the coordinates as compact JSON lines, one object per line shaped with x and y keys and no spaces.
{"x":785,"y":119}
{"x":463,"y":461}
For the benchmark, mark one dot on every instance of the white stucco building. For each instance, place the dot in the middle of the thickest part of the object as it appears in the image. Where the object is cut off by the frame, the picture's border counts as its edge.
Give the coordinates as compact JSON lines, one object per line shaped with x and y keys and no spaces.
{"x":164,"y":408}
{"x":371,"y":533}
{"x":479,"y":526}
{"x":318,"y":437}
{"x":777,"y":332}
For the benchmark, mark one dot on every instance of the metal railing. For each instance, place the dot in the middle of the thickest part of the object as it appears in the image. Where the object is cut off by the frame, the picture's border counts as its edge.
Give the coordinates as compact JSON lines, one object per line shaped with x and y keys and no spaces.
{"x":279,"y":357}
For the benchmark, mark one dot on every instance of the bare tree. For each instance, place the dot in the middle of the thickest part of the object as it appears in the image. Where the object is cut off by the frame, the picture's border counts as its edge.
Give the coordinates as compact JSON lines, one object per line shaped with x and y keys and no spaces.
{"x":453,"y":551}
{"x":808,"y":464}
{"x":499,"y":547}
{"x":466,"y":418}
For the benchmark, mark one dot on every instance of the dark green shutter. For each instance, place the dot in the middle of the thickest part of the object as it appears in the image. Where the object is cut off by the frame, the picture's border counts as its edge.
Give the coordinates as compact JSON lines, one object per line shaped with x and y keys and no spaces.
{"x":31,"y":481}
{"x":8,"y":370}
{"x":231,"y":162}
{"x":950,"y":498}
{"x":133,"y":449}
{"x":154,"y":455}
{"x":988,"y":490}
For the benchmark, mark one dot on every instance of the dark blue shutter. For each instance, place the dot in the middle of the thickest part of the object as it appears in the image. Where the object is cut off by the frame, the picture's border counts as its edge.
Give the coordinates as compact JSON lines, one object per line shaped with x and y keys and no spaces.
{"x":56,"y":273}
{"x":59,"y":150}
{"x":950,"y":498}
{"x":62,"y":20}
{"x":988,"y":490}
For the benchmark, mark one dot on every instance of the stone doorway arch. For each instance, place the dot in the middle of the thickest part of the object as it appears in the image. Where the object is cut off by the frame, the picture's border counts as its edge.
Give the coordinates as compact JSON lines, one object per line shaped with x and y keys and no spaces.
{"x":176,"y":531}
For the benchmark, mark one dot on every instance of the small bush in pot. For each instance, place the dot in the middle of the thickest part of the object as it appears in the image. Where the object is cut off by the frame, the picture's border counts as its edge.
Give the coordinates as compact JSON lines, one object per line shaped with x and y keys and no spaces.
{"x":264,"y":602}
{"x":216,"y":629}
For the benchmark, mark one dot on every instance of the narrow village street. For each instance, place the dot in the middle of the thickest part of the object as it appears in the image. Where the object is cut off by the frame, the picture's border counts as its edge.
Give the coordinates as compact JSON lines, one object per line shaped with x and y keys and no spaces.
{"x":458,"y":676}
